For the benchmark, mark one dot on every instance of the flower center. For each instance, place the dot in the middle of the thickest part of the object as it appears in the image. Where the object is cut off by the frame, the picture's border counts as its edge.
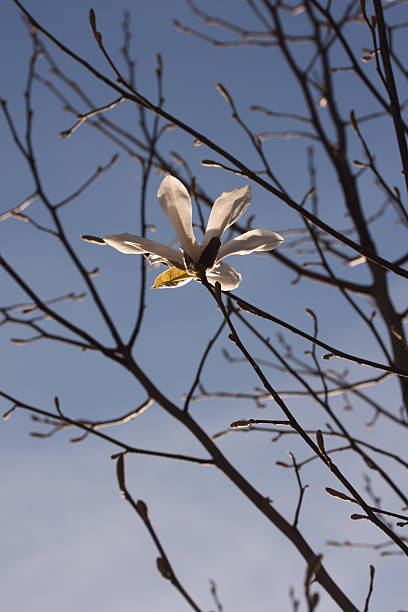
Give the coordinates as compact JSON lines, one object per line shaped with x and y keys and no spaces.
{"x":207,"y":258}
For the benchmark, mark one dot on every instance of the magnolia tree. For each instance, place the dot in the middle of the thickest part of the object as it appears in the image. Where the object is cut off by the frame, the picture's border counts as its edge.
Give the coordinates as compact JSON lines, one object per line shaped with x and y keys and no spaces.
{"x":305,"y":346}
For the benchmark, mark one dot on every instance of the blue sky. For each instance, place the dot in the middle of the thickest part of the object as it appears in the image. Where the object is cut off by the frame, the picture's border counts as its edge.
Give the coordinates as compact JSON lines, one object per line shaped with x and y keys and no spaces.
{"x":68,"y":539}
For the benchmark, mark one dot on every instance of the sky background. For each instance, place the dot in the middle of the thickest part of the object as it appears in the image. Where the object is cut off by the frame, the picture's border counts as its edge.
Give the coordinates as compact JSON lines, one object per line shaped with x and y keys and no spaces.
{"x":68,"y":540}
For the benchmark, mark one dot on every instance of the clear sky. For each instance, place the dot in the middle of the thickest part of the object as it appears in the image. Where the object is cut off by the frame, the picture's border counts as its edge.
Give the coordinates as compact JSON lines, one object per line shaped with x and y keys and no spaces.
{"x":68,"y":540}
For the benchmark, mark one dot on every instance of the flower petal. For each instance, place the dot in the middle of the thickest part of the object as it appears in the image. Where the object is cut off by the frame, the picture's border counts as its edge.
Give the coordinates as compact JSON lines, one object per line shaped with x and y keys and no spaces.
{"x":254,"y":240}
{"x":226,"y":210}
{"x":131,"y":244}
{"x":176,"y":203}
{"x":155,"y":261}
{"x":225,"y":275}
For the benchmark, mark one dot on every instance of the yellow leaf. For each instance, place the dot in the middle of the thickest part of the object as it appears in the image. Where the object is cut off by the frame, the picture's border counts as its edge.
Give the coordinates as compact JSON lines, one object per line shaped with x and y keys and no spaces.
{"x":173,"y":277}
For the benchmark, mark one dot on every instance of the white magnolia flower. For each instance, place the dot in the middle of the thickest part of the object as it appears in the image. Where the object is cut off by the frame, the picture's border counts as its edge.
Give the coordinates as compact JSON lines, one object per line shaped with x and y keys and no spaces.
{"x":195,"y":259}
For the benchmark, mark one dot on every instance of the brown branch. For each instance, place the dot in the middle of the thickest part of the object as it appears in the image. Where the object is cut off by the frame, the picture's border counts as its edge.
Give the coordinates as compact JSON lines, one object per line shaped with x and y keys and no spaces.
{"x":196,"y":380}
{"x":370,"y":588}
{"x":59,"y":416}
{"x":163,"y":563}
{"x":302,"y":489}
{"x":244,"y":305}
{"x":392,"y":91}
{"x":317,"y":449}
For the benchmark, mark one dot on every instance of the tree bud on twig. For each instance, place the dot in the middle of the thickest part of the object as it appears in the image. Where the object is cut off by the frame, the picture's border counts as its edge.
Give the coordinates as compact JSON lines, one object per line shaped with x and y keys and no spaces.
{"x":164,"y":568}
